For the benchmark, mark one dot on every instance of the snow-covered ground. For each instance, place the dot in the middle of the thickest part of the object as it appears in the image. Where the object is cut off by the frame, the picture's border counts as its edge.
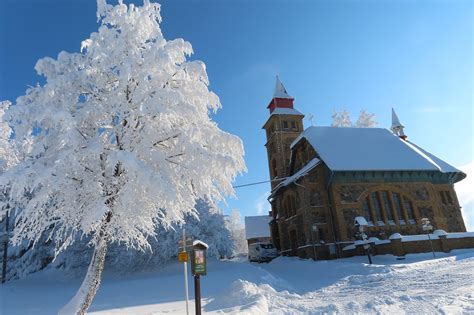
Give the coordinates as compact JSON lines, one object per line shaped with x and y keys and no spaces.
{"x":418,"y":284}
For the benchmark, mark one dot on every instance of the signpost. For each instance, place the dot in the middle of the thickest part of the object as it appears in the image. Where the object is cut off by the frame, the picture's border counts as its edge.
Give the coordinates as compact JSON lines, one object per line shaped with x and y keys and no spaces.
{"x":198,"y":268}
{"x":183,"y":257}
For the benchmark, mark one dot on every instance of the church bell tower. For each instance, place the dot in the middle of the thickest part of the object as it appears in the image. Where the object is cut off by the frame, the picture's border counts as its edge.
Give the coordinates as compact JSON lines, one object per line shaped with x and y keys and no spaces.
{"x":282,"y":127}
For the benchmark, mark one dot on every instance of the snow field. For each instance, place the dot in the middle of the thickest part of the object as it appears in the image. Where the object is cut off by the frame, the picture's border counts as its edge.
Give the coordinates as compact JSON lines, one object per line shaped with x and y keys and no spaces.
{"x":418,"y":284}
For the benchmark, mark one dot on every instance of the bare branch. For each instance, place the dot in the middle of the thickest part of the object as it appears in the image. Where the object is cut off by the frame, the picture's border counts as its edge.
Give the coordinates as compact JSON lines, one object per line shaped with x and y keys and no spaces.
{"x":166,"y":139}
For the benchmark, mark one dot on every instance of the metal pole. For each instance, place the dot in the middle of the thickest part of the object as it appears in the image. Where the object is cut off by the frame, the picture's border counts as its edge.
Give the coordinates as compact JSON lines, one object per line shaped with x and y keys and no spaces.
{"x":432,"y":249}
{"x":197,"y":294}
{"x":185,"y":265}
{"x":368,"y":255}
{"x":5,"y":250}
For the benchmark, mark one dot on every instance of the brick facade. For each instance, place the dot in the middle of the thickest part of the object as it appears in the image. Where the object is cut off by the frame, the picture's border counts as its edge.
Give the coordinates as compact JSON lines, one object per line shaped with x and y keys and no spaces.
{"x":314,"y":216}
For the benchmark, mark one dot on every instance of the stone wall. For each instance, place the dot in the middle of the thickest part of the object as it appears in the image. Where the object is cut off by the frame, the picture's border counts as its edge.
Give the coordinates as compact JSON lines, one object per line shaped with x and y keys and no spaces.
{"x":399,"y":245}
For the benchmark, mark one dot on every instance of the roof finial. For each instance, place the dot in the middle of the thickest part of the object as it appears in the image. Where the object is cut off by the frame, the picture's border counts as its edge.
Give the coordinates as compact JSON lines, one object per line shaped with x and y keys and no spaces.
{"x":397,"y":127}
{"x":280,"y":91}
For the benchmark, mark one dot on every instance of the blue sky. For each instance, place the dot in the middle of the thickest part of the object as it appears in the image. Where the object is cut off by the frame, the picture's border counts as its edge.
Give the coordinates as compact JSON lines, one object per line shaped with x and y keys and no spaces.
{"x":416,"y":56}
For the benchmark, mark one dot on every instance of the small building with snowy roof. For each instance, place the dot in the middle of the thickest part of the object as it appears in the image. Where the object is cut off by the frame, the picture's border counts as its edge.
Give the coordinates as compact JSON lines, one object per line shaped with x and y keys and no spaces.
{"x":257,"y":229}
{"x":324,"y":177}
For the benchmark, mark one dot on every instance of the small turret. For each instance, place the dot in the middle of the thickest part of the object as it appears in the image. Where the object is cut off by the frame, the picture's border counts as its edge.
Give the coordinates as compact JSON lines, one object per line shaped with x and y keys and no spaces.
{"x":397,"y":127}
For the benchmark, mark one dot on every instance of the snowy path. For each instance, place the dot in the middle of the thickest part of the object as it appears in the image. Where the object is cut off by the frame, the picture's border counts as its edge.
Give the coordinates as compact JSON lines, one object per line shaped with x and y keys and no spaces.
{"x":428,"y":287}
{"x":285,"y":286}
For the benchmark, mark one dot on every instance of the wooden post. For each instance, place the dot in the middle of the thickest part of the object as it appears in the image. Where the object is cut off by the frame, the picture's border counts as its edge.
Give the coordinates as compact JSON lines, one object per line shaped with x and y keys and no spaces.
{"x":197,"y":294}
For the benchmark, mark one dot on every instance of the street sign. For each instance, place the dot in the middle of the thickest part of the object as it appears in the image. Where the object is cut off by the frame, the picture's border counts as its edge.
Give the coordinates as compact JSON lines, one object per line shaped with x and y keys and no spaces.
{"x":198,"y":268}
{"x":199,"y":262}
{"x":187,"y":245}
{"x":189,"y":242}
{"x":183,"y":257}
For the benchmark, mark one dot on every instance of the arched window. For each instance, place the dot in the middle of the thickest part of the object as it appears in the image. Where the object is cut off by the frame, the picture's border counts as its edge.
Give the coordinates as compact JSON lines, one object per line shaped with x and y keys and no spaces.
{"x":409,"y":209}
{"x":378,"y":208}
{"x":367,"y":213}
{"x":387,"y":206}
{"x":293,"y":205}
{"x":290,"y":206}
{"x":398,"y":207}
{"x":274,"y":168}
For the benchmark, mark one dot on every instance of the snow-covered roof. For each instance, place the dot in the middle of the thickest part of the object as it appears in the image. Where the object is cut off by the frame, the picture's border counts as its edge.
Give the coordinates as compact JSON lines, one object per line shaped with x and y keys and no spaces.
{"x":280,"y":91}
{"x":285,"y":111}
{"x":369,"y":149}
{"x":257,"y":226}
{"x":302,"y":172}
{"x":198,"y":242}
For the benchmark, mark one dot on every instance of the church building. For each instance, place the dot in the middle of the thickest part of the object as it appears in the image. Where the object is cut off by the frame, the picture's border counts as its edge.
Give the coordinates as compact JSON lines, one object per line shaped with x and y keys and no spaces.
{"x":324,"y":177}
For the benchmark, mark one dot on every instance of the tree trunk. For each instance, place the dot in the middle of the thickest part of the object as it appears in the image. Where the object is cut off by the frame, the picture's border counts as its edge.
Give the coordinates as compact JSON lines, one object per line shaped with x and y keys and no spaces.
{"x":81,"y":302}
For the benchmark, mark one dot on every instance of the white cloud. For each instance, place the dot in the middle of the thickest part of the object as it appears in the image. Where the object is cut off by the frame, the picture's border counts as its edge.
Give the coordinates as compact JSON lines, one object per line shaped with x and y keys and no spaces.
{"x":465,"y":192}
{"x":262,"y":206}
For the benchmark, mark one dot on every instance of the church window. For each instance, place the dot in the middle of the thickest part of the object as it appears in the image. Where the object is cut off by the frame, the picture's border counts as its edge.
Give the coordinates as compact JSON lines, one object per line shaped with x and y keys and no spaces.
{"x":398,"y":207}
{"x":290,"y":205}
{"x":367,"y":214}
{"x":378,"y":208}
{"x":321,"y":234}
{"x":449,"y":198}
{"x":313,"y":176}
{"x":387,"y":206}
{"x":285,"y":124}
{"x":443,"y":198}
{"x":315,"y":199}
{"x":274,"y":168}
{"x":409,"y":208}
{"x":293,"y":125}
{"x":304,"y":155}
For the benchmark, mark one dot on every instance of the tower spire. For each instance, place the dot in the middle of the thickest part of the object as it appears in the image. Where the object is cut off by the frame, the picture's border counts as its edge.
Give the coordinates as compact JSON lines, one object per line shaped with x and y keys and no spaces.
{"x":397,"y":127}
{"x":281,"y":98}
{"x":280,"y":91}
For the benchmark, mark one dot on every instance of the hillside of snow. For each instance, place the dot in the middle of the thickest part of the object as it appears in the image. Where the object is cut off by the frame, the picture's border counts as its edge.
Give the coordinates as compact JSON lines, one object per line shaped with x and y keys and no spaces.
{"x":284,"y":286}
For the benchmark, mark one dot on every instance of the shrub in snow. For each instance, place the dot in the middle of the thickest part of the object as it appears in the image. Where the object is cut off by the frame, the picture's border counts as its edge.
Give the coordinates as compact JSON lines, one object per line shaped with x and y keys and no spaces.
{"x":120,"y":141}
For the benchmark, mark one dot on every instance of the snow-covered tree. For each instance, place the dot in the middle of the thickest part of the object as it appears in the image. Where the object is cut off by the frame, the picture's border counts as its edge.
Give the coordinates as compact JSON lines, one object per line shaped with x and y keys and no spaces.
{"x":8,"y":156}
{"x":237,"y":231}
{"x":366,"y":120}
{"x":8,"y":159}
{"x":208,"y":225}
{"x":341,"y":119}
{"x":121,"y":141}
